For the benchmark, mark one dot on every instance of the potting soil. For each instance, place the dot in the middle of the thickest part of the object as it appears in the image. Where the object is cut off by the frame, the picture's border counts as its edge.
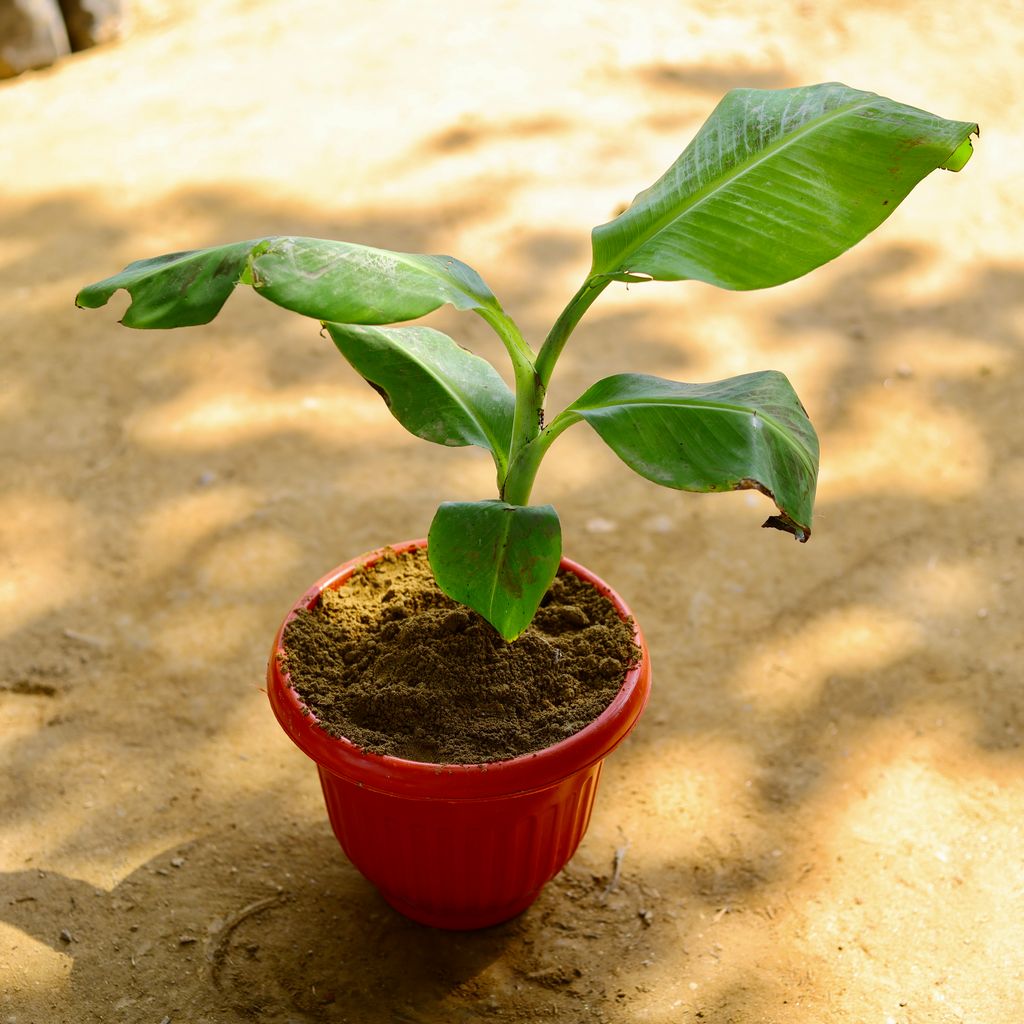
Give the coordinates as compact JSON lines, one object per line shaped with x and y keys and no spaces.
{"x":399,"y":668}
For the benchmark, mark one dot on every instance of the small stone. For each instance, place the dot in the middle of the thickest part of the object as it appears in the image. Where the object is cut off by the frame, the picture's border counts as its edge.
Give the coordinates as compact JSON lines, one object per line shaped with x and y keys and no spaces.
{"x":177,"y":862}
{"x":574,"y":616}
{"x":660,"y":524}
{"x":66,"y":937}
{"x":92,"y":22}
{"x":186,"y":940}
{"x":454,"y":622}
{"x":32,"y":35}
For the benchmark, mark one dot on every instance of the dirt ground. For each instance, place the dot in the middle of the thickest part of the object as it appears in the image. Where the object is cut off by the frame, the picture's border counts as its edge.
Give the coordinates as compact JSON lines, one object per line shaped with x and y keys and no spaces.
{"x":819,"y":818}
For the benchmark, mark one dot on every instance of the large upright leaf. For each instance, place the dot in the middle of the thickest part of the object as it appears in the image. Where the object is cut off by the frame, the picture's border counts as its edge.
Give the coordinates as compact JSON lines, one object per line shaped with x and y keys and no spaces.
{"x":434,"y":388}
{"x":776,"y":183}
{"x":323,"y":279}
{"x":745,"y":432}
{"x":497,"y":558}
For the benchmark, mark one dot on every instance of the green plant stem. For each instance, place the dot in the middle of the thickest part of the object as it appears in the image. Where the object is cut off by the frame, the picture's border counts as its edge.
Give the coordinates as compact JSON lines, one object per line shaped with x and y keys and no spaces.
{"x":529,"y":391}
{"x":523,"y":470}
{"x":529,"y":448}
{"x":564,"y":325}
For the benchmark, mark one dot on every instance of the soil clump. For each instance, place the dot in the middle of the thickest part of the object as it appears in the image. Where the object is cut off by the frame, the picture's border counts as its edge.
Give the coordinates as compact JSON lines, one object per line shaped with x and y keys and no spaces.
{"x":396,"y":666}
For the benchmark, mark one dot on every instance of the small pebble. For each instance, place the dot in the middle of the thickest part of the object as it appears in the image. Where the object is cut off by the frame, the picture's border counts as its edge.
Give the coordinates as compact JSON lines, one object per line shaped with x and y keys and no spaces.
{"x":177,"y":862}
{"x":66,"y":937}
{"x":660,"y":524}
{"x":573,"y":616}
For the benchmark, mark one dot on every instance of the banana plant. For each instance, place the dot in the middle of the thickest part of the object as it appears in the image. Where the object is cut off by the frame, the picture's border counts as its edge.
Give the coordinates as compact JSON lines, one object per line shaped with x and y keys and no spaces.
{"x":775,"y":184}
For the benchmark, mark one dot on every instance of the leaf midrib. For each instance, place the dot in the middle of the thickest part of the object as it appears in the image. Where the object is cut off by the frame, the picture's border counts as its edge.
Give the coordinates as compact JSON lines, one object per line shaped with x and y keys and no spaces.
{"x":497,"y":446}
{"x":702,"y":194}
{"x":506,"y":530}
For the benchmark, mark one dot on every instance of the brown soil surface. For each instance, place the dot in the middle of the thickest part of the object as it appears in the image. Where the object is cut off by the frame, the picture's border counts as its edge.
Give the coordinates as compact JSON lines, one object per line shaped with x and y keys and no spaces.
{"x":819,"y":818}
{"x":393,"y":664}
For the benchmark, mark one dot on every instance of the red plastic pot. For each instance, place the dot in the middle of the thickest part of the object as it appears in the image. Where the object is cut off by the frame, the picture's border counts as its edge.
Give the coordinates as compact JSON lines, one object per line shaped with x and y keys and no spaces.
{"x":459,"y":846}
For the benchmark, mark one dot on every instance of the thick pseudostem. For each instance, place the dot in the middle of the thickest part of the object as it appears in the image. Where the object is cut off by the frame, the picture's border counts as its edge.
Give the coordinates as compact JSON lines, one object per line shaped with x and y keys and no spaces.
{"x":397,"y":667}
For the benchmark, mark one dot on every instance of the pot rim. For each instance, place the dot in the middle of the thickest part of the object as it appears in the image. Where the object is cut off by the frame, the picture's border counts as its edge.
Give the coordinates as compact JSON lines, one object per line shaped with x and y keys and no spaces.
{"x":523,"y":774}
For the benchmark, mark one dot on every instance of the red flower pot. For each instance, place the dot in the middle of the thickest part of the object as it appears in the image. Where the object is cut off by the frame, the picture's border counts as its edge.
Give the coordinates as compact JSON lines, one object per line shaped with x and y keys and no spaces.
{"x":459,"y":846}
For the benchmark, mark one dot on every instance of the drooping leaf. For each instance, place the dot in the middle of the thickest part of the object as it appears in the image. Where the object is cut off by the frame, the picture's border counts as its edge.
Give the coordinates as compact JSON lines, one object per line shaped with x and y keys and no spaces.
{"x":326,"y":280}
{"x":181,"y":289}
{"x":434,"y":388}
{"x":745,"y":432}
{"x":498,"y":559}
{"x":354,"y":284}
{"x":776,"y":183}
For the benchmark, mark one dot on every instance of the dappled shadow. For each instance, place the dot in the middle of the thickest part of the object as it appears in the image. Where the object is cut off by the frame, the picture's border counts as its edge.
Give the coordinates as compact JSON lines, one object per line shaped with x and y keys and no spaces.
{"x":302,"y":934}
{"x":474,"y":132}
{"x":167,"y":496}
{"x":712,"y":80}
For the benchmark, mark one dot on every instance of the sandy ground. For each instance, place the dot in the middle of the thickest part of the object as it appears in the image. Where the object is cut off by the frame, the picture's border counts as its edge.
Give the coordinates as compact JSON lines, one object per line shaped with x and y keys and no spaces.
{"x":820,"y":817}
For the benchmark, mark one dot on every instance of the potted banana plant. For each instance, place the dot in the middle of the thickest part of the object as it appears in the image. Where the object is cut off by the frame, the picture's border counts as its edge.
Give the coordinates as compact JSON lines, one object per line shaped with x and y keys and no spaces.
{"x":775,"y":183}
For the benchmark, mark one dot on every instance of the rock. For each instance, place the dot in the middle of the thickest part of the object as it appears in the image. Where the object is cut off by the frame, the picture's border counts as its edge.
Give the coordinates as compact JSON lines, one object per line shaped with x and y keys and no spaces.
{"x":32,"y":35}
{"x":92,"y":22}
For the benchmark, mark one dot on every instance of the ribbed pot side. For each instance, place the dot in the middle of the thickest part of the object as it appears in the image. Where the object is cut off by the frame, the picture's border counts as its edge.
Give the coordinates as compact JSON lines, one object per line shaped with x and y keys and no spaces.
{"x":459,"y":846}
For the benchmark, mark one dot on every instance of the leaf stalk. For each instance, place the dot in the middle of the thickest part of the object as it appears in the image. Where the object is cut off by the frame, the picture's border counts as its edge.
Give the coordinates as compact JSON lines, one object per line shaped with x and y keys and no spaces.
{"x":529,"y":392}
{"x":565,"y":324}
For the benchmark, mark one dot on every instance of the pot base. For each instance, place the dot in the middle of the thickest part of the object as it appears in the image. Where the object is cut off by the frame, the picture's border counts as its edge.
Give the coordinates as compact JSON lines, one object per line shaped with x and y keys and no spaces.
{"x":463,"y":922}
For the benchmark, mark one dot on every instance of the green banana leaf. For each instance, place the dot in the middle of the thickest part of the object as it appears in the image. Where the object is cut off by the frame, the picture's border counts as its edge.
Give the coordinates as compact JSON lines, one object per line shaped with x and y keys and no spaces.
{"x":776,"y":183}
{"x":498,"y":559}
{"x":434,"y":388}
{"x":745,"y":432}
{"x":319,"y":278}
